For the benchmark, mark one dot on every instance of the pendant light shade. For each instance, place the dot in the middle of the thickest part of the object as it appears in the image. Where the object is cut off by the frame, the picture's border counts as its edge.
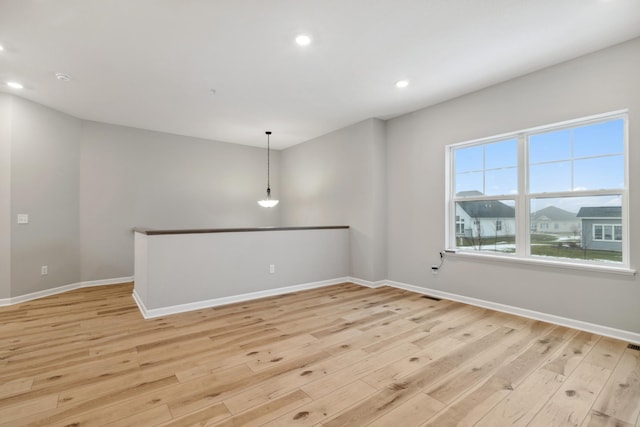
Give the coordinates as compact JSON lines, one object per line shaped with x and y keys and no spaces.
{"x":268,"y":202}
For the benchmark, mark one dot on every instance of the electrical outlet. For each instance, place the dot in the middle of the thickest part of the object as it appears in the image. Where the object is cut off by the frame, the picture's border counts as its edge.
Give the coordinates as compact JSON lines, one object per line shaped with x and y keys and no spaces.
{"x":23,"y":218}
{"x":272,"y":268}
{"x":44,"y":270}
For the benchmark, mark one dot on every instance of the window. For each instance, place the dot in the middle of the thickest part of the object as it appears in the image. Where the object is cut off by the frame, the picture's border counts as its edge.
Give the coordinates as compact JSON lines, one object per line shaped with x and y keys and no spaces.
{"x":607,"y":232}
{"x":565,"y":183}
{"x":459,"y":225}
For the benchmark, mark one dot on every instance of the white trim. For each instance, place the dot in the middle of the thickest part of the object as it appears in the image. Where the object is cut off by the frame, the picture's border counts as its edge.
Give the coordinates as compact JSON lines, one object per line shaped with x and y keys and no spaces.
{"x":523,"y":312}
{"x":61,"y":289}
{"x":367,"y":283}
{"x":150,"y":313}
{"x":140,"y":304}
{"x":544,"y":261}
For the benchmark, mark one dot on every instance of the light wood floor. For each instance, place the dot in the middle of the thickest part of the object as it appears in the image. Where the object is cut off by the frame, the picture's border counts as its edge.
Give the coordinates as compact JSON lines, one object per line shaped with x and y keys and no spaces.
{"x":343,"y":355}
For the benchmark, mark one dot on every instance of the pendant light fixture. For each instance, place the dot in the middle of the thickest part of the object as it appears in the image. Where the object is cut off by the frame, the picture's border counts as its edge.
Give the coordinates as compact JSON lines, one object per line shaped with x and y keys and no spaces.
{"x":268,"y":202}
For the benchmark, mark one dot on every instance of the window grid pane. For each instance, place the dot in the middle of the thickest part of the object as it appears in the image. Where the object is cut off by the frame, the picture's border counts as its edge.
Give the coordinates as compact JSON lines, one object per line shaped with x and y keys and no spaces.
{"x":487,"y":169}
{"x":588,"y":157}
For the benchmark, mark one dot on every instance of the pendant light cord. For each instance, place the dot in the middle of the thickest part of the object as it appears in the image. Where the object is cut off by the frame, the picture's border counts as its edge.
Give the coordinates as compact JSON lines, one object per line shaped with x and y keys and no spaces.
{"x":268,"y":164}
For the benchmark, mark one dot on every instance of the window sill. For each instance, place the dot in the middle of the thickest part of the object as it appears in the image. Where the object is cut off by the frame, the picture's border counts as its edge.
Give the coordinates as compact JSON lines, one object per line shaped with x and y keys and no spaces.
{"x":608,"y":269}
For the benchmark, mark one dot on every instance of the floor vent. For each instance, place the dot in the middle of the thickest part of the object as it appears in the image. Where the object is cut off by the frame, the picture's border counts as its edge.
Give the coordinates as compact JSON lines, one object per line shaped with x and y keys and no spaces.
{"x":634,"y":347}
{"x":430,"y":297}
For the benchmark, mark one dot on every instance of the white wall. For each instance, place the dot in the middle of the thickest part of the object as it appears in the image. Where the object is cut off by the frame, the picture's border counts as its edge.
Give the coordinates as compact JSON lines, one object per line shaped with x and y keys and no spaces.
{"x":193,"y":268}
{"x":5,"y":196}
{"x":600,"y":82}
{"x":45,"y":161}
{"x":339,"y":179}
{"x":131,"y":177}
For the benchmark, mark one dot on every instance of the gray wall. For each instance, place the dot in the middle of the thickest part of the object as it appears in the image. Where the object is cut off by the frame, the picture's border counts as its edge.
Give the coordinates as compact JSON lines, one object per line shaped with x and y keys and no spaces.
{"x":601,"y":82}
{"x":5,"y":195}
{"x":45,"y":161}
{"x":225,"y":265}
{"x":339,"y":179}
{"x":86,"y":184}
{"x":131,"y":177}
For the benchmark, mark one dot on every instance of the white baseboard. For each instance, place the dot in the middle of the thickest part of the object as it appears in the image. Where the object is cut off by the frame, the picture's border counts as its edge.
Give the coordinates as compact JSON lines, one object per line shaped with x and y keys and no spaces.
{"x":61,"y":289}
{"x":531,"y":314}
{"x":150,"y":313}
{"x":366,"y":283}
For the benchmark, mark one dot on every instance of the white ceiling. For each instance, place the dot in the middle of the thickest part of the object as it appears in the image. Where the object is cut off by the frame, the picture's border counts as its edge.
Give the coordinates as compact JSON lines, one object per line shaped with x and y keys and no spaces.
{"x":152,"y":63}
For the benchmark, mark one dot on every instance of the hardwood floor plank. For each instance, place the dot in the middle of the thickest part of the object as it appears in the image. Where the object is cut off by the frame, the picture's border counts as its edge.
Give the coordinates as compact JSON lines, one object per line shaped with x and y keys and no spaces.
{"x":383,"y":331}
{"x":214,"y":393}
{"x":203,"y":417}
{"x":501,"y":374}
{"x":15,"y":387}
{"x":149,"y":418}
{"x":9,"y":414}
{"x":606,"y":353}
{"x":324,"y":407}
{"x":333,"y":381}
{"x":480,"y":368}
{"x":521,"y":405}
{"x":622,"y":391}
{"x":393,"y":372}
{"x":339,"y":355}
{"x":396,"y":394}
{"x":570,"y":405}
{"x":468,"y":410}
{"x":268,"y":411}
{"x":573,"y":353}
{"x":596,"y":419}
{"x":289,"y":381}
{"x":411,"y":413}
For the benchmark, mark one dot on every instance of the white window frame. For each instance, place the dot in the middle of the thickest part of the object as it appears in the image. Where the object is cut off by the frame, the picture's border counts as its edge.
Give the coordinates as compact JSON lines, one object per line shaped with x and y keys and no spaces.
{"x":613,"y":233}
{"x":523,"y":199}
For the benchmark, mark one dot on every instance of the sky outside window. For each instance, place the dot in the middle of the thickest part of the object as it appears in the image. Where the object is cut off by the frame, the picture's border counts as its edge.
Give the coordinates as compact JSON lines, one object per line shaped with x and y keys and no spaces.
{"x":489,"y":169}
{"x":587,"y":157}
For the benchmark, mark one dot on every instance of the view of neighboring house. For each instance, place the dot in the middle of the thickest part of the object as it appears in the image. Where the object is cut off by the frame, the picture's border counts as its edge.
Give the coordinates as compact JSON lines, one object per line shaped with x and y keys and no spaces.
{"x":601,"y":227}
{"x":554,"y":220}
{"x":484,"y":218}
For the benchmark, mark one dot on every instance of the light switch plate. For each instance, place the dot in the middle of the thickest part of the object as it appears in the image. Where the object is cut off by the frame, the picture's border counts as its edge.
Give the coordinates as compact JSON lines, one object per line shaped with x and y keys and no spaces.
{"x":23,"y":218}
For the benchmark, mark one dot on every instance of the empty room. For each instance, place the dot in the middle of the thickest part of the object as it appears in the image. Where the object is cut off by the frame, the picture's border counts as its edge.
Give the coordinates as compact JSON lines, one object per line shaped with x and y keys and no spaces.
{"x":319,"y":213}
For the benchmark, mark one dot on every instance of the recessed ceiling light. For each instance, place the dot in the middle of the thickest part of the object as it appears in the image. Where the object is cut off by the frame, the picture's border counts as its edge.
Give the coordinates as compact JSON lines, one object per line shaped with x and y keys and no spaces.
{"x":63,"y":77}
{"x":402,"y":83}
{"x":303,"y":40}
{"x":1,"y":48}
{"x":15,"y":85}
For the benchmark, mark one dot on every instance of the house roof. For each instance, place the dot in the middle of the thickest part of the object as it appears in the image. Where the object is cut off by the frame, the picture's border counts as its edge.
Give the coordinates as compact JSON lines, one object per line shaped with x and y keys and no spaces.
{"x":487,"y":209}
{"x":552,"y":213}
{"x":469,"y":193}
{"x":600,"y":212}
